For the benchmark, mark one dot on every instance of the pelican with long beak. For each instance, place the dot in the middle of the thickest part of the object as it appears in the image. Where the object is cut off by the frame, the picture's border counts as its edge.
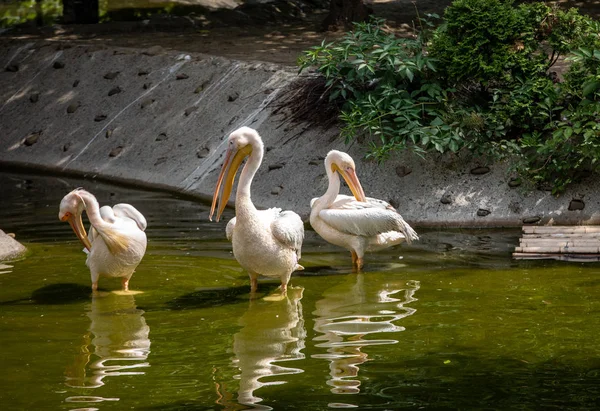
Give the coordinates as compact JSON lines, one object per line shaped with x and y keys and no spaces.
{"x":116,"y":242}
{"x":356,"y":223}
{"x":265,"y":242}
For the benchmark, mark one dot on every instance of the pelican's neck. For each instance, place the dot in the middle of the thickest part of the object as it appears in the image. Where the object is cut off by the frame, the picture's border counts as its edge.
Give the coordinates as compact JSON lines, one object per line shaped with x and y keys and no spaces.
{"x":92,"y":208}
{"x":334,"y":187}
{"x":331,"y":194}
{"x":243,"y":201}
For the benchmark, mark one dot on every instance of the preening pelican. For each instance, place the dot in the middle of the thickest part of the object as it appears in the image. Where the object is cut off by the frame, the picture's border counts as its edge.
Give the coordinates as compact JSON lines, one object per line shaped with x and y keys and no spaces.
{"x":116,"y":242}
{"x":265,"y":242}
{"x":356,"y":223}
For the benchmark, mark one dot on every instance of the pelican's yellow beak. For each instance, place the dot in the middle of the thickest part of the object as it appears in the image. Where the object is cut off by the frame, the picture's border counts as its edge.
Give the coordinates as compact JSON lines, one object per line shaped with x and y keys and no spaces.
{"x":351,"y":179}
{"x":233,"y":160}
{"x":76,"y":224}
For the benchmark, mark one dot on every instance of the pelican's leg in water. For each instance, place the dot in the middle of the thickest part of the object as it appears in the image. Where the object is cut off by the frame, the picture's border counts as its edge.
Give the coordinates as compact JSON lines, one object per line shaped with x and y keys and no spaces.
{"x":253,"y":282}
{"x":95,"y":286}
{"x":357,"y":261}
{"x":125,"y":283}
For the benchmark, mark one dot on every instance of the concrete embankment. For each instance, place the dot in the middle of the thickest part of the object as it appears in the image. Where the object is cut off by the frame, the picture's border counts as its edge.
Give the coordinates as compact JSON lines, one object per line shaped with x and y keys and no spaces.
{"x":159,"y":119}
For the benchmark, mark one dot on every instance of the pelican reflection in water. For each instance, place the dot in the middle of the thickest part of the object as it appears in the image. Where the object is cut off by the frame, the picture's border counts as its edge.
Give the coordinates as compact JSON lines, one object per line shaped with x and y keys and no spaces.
{"x":117,"y":342}
{"x":347,"y":314}
{"x":272,"y":334}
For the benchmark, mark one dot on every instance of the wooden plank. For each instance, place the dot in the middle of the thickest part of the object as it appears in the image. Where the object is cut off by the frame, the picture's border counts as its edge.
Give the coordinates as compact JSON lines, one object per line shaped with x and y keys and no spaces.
{"x":563,"y":235}
{"x":560,"y":229}
{"x":554,"y":256}
{"x":559,"y":242}
{"x":558,"y":249}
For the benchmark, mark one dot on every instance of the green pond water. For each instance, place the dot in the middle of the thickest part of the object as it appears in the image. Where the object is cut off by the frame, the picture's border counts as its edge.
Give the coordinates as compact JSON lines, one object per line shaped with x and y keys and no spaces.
{"x":451,"y":322}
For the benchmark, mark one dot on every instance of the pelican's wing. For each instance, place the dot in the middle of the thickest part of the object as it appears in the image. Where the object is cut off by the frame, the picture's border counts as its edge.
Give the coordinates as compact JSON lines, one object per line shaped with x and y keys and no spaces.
{"x":349,"y":202}
{"x":229,"y":228}
{"x":124,"y":210}
{"x":366,"y":219}
{"x":107,"y":215}
{"x":287,"y":227}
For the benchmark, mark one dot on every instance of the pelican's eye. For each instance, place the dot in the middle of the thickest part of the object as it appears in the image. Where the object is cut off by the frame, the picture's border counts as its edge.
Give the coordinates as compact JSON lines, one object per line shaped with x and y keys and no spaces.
{"x":66,"y":216}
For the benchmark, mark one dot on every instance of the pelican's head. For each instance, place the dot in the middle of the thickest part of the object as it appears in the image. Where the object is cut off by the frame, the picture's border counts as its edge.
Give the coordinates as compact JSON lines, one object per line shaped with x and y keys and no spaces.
{"x":71,"y":209}
{"x":341,"y":163}
{"x":240,"y":144}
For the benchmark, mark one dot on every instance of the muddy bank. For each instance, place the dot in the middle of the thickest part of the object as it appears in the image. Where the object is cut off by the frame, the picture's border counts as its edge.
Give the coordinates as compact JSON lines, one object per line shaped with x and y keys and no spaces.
{"x":159,"y":118}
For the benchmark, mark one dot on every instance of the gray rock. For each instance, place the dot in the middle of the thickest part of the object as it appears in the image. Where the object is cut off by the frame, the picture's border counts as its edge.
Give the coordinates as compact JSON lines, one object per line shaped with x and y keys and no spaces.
{"x":447,"y":199}
{"x":115,"y":151}
{"x":190,"y":110}
{"x":576,"y":204}
{"x":34,"y":97}
{"x":100,"y":117}
{"x":32,"y":138}
{"x":10,"y":248}
{"x":182,"y":76}
{"x":482,"y":212}
{"x":480,"y":170}
{"x":72,"y":108}
{"x":276,"y":190}
{"x":12,"y":68}
{"x":531,"y":220}
{"x":402,"y":171}
{"x":111,"y":75}
{"x":58,"y":64}
{"x":276,"y":166}
{"x":114,"y":90}
{"x":203,"y":152}
{"x":514,"y":182}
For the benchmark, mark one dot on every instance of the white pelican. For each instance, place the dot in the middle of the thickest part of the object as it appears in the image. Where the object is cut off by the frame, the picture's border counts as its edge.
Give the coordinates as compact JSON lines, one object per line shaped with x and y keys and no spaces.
{"x":265,"y":242}
{"x":116,"y":242}
{"x":356,"y":223}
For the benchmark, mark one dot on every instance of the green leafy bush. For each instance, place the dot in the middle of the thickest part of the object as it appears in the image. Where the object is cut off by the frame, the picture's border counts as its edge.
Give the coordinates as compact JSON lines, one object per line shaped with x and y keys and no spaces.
{"x":481,"y":81}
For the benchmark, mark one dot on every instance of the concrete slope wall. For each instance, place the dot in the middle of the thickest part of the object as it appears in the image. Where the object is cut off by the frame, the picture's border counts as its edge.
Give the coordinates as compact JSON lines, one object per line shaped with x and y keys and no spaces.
{"x":159,"y":118}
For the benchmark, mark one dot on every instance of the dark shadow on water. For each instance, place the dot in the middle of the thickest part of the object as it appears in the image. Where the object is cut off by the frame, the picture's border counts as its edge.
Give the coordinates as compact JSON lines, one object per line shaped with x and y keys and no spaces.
{"x":61,"y":293}
{"x":216,"y":297}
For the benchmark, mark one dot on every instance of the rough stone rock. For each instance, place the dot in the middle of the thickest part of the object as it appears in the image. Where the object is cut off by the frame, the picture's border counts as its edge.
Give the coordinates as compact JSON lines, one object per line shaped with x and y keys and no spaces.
{"x":75,"y":83}
{"x":10,"y":248}
{"x":100,"y":117}
{"x":203,"y":152}
{"x":480,"y":170}
{"x":514,"y":182}
{"x":161,"y":137}
{"x":276,"y":190}
{"x":190,"y":110}
{"x":182,"y":76}
{"x":482,"y":212}
{"x":34,"y":97}
{"x":143,"y":72}
{"x":66,"y":147}
{"x":59,"y":64}
{"x":233,"y":97}
{"x":72,"y":108}
{"x":111,"y":75}
{"x":114,"y":90}
{"x":108,"y":133}
{"x":276,"y":166}
{"x":12,"y":68}
{"x":576,"y":204}
{"x":32,"y":138}
{"x":446,"y":199}
{"x":403,"y":171}
{"x":531,"y":220}
{"x":115,"y":151}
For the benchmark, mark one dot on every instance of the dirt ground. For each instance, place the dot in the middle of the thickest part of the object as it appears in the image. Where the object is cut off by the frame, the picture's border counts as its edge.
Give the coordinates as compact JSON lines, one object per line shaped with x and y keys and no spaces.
{"x":275,"y":35}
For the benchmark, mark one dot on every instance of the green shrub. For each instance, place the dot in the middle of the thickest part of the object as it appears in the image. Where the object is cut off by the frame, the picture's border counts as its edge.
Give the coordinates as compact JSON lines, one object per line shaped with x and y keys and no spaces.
{"x":480,"y":81}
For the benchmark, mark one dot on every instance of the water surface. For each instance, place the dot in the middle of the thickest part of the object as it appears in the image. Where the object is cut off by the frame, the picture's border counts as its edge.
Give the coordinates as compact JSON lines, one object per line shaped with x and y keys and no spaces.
{"x":451,"y":322}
